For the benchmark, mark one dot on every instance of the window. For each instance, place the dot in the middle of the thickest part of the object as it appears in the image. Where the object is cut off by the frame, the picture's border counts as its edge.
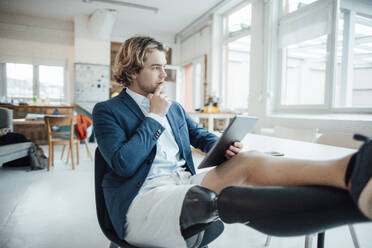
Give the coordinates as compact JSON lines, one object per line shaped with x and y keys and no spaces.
{"x":51,"y":82}
{"x":237,"y":82}
{"x":237,"y":45}
{"x":354,"y":67}
{"x":19,"y":79}
{"x":27,"y":82}
{"x":304,"y":72}
{"x":319,"y":70}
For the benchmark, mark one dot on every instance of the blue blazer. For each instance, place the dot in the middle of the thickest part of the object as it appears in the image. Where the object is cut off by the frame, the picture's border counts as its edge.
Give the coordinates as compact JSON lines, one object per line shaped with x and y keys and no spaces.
{"x":127,"y":141}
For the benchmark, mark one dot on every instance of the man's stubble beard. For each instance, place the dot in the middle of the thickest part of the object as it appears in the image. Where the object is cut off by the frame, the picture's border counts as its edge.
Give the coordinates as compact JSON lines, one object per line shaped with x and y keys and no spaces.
{"x":147,"y":89}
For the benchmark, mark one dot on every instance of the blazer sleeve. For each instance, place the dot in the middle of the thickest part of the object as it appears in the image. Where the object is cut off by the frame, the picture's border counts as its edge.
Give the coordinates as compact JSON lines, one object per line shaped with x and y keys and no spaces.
{"x":123,"y":152}
{"x":199,"y":137}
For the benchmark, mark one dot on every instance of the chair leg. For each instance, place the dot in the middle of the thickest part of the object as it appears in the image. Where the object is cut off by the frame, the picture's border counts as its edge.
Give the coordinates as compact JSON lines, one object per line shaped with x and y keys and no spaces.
{"x":63,"y":151}
{"x":309,"y":241}
{"x":354,"y":236}
{"x":268,"y":240}
{"x":77,"y":152}
{"x":88,"y":150}
{"x":321,"y":237}
{"x":50,"y":156}
{"x":53,"y":155}
{"x":68,"y":155}
{"x":72,"y":156}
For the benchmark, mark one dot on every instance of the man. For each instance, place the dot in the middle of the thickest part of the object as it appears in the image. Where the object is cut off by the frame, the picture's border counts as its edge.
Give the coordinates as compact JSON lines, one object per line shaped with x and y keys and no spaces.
{"x":145,"y":139}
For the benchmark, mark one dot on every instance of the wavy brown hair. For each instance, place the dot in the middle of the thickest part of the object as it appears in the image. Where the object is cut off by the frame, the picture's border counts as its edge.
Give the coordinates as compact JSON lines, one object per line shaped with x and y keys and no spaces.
{"x":131,"y":57}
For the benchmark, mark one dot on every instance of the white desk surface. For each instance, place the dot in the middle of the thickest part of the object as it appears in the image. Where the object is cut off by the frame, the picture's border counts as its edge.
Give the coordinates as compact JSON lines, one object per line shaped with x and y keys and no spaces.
{"x":294,"y":149}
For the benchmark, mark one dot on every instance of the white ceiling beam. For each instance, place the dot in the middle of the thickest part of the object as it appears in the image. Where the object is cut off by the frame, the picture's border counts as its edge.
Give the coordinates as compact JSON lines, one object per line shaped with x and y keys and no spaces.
{"x":125,"y":4}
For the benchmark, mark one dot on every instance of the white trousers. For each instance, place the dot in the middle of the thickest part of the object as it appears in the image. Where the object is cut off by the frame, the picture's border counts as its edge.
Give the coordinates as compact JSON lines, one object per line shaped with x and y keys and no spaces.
{"x":153,"y":218}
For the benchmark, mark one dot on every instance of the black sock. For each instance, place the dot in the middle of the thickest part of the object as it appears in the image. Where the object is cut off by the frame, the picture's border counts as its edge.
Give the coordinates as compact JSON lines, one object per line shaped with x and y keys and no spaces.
{"x":349,"y":169}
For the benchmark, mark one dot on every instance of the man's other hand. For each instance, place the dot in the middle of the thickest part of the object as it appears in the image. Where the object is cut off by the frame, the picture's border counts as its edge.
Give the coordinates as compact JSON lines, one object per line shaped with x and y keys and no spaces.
{"x":159,"y":102}
{"x":233,"y":149}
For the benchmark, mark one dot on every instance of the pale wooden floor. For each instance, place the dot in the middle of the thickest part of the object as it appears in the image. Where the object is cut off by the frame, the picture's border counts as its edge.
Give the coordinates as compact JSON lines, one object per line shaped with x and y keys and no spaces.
{"x":41,"y":209}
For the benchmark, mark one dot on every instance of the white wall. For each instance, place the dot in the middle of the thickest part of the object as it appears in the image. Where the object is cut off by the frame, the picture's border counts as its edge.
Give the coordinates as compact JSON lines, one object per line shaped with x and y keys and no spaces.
{"x":92,"y":38}
{"x":26,"y":39}
{"x":196,"y":45}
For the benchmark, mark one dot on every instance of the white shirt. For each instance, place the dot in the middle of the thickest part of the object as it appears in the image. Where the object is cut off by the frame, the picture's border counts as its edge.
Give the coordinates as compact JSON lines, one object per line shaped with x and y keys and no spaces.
{"x":167,"y":158}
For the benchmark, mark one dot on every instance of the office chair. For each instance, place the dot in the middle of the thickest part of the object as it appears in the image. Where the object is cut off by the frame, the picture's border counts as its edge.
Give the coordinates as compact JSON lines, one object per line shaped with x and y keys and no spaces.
{"x":211,"y":230}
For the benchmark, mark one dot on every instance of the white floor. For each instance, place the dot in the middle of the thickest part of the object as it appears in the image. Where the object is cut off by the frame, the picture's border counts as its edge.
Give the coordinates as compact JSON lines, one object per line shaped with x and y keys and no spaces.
{"x":40,"y":209}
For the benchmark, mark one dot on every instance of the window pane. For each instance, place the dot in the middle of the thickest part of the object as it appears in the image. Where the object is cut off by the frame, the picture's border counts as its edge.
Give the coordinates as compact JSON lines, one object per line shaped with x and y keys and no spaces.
{"x":19,"y":80}
{"x":240,"y":19}
{"x":51,"y":82}
{"x":293,"y":5}
{"x":304,"y":70}
{"x":355,"y":90}
{"x":362,"y":69}
{"x":237,"y":73}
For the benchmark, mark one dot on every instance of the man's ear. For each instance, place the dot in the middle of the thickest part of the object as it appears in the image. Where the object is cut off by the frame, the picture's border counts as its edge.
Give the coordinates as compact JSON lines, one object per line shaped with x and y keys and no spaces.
{"x":134,"y":76}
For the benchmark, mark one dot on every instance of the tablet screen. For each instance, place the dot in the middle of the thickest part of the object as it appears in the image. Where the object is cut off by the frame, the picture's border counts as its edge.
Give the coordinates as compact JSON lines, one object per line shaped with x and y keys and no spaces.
{"x":236,"y":131}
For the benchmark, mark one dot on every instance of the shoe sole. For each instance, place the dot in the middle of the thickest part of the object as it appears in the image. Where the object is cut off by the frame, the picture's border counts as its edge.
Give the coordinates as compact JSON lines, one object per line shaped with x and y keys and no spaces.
{"x":365,"y":200}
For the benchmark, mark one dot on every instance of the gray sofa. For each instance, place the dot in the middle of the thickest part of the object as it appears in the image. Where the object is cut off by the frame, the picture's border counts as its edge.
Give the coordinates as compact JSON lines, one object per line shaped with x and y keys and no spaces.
{"x":12,"y":151}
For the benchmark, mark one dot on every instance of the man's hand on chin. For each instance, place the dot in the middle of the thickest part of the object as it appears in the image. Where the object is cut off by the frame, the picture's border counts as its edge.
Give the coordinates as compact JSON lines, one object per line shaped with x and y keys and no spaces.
{"x":159,"y":102}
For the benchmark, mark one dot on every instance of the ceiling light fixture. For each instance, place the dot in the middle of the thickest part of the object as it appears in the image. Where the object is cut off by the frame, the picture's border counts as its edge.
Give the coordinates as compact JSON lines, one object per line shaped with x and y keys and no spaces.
{"x":126,"y":4}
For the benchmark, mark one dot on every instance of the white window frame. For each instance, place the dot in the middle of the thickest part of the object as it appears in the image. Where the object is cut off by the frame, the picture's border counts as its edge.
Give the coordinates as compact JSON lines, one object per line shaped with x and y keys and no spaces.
{"x":230,"y":37}
{"x":35,"y":62}
{"x":331,"y":64}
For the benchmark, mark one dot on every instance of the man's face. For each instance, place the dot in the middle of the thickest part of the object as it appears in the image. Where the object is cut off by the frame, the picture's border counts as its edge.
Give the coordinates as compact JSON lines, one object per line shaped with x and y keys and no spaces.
{"x":151,"y":75}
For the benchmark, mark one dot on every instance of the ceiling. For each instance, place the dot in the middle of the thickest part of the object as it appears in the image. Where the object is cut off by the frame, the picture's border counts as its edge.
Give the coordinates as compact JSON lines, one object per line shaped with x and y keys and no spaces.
{"x":172,"y":17}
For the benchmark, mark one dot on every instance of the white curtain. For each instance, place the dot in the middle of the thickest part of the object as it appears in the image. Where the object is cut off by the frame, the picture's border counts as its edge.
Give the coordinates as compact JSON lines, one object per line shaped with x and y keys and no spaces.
{"x":306,"y":23}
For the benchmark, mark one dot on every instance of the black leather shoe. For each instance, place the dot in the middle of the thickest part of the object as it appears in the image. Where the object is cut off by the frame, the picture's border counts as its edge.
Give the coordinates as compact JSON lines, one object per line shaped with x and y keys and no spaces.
{"x":199,"y":207}
{"x":361,"y":177}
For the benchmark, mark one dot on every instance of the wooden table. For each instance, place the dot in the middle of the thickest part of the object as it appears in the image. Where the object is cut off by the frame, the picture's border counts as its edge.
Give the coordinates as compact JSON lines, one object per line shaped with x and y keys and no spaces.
{"x":34,"y":130}
{"x":20,"y":111}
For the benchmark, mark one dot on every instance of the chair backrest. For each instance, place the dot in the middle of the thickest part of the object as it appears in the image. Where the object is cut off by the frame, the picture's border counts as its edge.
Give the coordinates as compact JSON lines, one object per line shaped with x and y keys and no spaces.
{"x":308,"y":135}
{"x":54,"y":121}
{"x":6,"y":118}
{"x":212,"y":230}
{"x":100,"y":168}
{"x":339,"y":139}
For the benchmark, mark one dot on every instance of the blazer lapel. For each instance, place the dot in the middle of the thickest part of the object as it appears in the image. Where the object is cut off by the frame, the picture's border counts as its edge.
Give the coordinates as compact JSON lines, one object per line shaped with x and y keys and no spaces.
{"x":132,"y":105}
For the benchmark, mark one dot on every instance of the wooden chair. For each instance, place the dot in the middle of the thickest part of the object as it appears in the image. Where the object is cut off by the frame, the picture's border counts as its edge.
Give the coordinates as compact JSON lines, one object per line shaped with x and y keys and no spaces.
{"x":86,"y":146}
{"x":54,"y":136}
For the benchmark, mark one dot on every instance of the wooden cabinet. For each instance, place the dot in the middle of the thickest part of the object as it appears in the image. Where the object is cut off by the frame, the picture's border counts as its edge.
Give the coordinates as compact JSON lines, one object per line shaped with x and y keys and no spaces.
{"x":35,"y":130}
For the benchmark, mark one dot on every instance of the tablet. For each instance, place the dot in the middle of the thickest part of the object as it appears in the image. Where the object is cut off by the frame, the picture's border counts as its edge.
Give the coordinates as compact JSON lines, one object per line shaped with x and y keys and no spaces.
{"x":236,"y":131}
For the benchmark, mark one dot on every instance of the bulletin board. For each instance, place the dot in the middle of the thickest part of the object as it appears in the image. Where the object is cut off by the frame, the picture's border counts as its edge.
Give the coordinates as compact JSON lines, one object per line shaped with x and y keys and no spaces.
{"x":92,"y":83}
